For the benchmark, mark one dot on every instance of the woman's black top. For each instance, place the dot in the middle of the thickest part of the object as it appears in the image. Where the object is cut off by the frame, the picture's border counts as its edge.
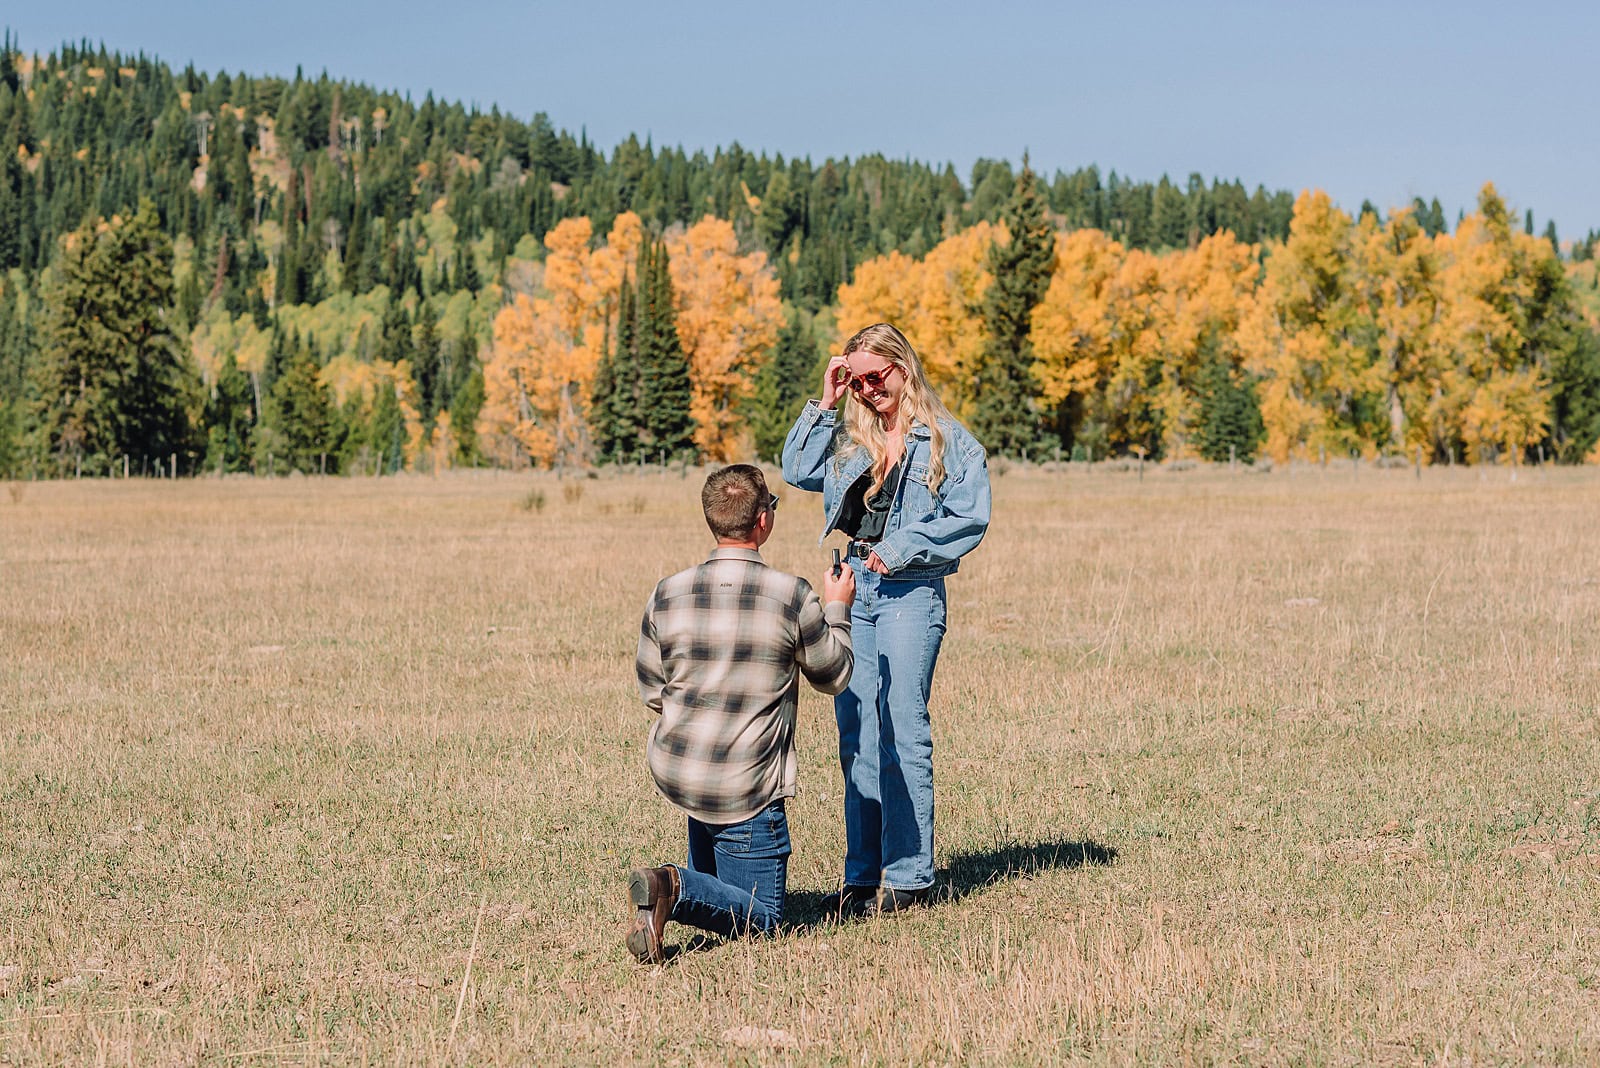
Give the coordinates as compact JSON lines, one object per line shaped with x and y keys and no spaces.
{"x":864,"y":519}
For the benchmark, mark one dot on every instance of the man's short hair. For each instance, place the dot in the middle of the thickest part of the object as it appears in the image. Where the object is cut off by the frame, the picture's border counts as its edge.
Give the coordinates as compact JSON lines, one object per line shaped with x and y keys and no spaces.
{"x":733,"y":499}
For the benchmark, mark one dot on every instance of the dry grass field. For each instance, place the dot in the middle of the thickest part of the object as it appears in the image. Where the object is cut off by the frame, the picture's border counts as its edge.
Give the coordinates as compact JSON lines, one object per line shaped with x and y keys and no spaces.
{"x":1232,"y":768}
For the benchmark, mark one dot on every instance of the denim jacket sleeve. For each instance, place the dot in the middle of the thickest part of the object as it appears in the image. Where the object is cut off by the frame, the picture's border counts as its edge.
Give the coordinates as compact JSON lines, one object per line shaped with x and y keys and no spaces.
{"x":960,"y":520}
{"x":808,"y":446}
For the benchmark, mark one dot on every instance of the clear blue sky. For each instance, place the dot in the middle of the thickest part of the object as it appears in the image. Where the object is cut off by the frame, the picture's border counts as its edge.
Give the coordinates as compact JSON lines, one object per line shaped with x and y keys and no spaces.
{"x":1365,"y":100}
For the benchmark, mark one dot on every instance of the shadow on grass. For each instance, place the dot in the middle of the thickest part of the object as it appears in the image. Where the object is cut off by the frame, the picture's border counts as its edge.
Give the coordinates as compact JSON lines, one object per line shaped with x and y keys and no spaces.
{"x":966,"y":874}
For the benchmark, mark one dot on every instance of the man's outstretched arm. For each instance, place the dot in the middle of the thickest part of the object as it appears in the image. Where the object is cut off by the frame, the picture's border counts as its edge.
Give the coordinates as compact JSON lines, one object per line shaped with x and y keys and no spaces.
{"x":823,"y":649}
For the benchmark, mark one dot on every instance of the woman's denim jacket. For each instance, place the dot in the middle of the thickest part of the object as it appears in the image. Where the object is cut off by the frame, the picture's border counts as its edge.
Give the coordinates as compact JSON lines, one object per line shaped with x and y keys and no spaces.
{"x":927,"y":534}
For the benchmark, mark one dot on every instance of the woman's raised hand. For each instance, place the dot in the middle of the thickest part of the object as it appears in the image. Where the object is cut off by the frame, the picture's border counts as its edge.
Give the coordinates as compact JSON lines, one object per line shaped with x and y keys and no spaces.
{"x":833,"y":380}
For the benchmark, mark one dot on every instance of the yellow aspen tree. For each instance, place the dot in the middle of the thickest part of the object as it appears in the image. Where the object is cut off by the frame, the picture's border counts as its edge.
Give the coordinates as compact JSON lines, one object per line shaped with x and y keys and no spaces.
{"x":1141,"y":323}
{"x":404,"y":384}
{"x":540,"y":368}
{"x":1319,"y":387}
{"x":1072,"y":326}
{"x":1493,"y":396}
{"x":1398,"y":270}
{"x":947,"y":326}
{"x":1505,"y":415}
{"x":729,"y":316}
{"x":885,"y":289}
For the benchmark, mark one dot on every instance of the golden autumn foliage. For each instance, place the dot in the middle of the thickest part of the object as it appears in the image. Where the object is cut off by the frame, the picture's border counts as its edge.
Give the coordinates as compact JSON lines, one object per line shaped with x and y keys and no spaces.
{"x":1370,"y":336}
{"x":539,"y":374}
{"x":1072,"y":326}
{"x":1398,"y":270}
{"x":728,"y":321}
{"x":1303,"y":338}
{"x":1493,"y":393}
{"x":541,"y":366}
{"x":1360,"y":336}
{"x":1354,"y":337}
{"x":1124,"y":335}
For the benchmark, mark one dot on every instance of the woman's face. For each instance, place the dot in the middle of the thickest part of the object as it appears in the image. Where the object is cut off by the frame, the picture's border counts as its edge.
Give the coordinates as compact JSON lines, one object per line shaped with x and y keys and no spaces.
{"x":875,"y":382}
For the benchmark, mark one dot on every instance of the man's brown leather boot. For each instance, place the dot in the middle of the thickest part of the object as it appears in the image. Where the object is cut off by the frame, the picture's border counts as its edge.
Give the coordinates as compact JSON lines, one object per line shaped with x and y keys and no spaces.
{"x":653,"y":891}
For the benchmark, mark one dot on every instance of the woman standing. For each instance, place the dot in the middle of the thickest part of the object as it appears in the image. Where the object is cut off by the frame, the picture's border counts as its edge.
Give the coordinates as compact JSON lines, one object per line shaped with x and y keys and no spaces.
{"x":909,"y":486}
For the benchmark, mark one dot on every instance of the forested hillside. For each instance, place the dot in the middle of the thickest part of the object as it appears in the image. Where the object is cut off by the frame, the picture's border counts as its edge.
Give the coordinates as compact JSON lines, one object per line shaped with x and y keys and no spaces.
{"x":226,"y":273}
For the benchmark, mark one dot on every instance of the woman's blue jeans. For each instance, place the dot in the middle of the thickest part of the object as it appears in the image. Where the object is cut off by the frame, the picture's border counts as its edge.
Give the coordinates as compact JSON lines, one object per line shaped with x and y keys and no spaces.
{"x":885,"y":735}
{"x":737,"y":874}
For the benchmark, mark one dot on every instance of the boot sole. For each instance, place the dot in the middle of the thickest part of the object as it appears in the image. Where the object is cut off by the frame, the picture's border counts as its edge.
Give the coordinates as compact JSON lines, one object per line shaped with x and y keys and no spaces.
{"x":639,"y":889}
{"x":639,"y":940}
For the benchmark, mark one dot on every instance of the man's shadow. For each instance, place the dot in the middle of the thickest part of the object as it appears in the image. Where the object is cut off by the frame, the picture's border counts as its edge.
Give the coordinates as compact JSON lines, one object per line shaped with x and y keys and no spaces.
{"x":965,"y":874}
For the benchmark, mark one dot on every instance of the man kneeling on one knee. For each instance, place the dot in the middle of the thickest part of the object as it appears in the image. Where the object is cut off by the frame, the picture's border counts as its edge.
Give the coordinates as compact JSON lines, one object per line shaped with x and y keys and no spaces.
{"x":721,"y":650}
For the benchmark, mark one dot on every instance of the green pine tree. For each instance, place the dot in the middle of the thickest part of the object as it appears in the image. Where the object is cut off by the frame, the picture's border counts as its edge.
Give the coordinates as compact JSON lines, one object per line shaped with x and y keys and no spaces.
{"x":112,"y":379}
{"x":464,"y":408}
{"x":1230,"y":424}
{"x":784,"y":383}
{"x":229,"y":418}
{"x":386,"y":429}
{"x":15,"y":352}
{"x":395,"y":342}
{"x":1575,"y":376}
{"x":666,"y":427}
{"x":432,"y":385}
{"x":614,"y":397}
{"x":302,"y":413}
{"x":14,"y":190}
{"x":466,"y":276}
{"x":1006,"y":416}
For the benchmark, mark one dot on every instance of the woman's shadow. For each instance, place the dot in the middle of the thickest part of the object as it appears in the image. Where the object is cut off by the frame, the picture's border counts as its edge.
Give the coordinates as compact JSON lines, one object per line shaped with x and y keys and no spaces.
{"x":965,"y":874}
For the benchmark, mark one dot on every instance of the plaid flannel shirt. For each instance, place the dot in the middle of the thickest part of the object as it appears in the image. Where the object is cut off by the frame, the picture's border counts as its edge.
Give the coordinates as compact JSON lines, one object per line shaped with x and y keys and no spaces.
{"x":721,"y":649}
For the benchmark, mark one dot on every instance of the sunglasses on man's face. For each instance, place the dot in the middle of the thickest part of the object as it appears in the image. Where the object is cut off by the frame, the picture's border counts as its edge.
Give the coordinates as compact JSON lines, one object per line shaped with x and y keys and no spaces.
{"x":870,"y":380}
{"x":772,"y":502}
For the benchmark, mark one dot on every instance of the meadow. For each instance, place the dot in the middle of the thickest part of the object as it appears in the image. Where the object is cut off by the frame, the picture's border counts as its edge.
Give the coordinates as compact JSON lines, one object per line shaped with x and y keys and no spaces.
{"x":1298,"y":767}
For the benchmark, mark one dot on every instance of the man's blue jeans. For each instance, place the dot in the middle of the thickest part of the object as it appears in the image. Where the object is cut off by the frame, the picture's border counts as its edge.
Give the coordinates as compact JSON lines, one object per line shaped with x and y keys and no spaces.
{"x":737,"y":874}
{"x":885,"y":735}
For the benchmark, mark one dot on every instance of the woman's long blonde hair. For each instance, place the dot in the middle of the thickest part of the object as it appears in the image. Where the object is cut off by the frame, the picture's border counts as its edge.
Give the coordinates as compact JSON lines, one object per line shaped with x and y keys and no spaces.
{"x":918,"y":402}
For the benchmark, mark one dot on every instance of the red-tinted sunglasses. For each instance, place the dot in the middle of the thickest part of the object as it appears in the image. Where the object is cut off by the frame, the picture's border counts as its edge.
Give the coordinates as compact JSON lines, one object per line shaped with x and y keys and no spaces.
{"x":873,"y":379}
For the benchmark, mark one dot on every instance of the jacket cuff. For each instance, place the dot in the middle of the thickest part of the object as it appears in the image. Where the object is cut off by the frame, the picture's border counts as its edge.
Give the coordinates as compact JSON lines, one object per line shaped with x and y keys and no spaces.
{"x":892,"y":558}
{"x":814,"y":412}
{"x":836,"y":613}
